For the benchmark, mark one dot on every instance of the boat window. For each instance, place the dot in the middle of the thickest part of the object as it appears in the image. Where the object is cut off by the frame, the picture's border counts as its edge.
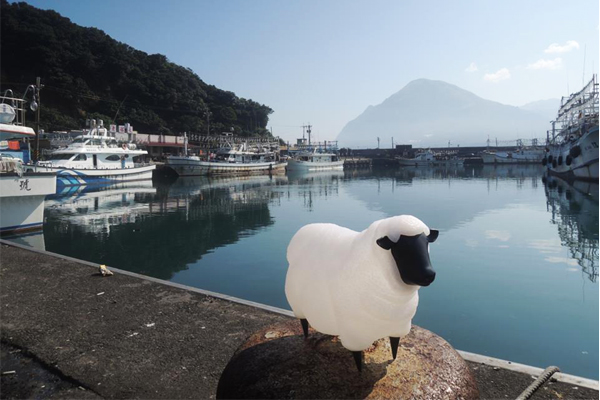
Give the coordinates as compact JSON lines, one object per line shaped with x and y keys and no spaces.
{"x":113,"y":157}
{"x":80,"y":157}
{"x":96,"y":142}
{"x":63,"y":156}
{"x":78,"y":140}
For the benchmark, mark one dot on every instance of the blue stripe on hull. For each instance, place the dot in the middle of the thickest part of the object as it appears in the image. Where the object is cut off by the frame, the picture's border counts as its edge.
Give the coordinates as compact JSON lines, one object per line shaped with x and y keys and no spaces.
{"x":74,"y":178}
{"x":21,"y":227}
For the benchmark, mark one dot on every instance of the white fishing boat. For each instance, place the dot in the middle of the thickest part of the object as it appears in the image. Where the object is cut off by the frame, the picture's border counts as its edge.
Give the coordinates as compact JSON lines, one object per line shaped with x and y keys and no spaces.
{"x":315,"y":161}
{"x":230,"y":160}
{"x":96,"y":157}
{"x":22,"y":186}
{"x":428,"y":158}
{"x":522,"y":155}
{"x":572,"y":143}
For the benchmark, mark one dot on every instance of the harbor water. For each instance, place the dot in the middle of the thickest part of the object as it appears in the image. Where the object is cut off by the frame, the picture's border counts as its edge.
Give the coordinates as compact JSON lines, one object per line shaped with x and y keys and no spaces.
{"x":516,"y":259}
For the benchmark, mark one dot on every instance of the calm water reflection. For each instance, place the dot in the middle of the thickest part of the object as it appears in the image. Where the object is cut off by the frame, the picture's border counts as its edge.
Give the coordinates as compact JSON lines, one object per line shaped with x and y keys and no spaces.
{"x":516,"y":260}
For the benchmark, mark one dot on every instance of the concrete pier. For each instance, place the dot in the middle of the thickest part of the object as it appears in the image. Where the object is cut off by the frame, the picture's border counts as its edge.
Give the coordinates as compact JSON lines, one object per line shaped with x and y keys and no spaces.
{"x":68,"y":332}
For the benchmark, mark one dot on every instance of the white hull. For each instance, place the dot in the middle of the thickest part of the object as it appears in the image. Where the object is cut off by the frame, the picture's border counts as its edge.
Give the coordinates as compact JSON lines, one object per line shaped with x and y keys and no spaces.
{"x":77,"y":177}
{"x":517,"y":157}
{"x":22,"y":200}
{"x":584,"y":166}
{"x":193,"y":166}
{"x":296,"y":165}
{"x":488,"y":158}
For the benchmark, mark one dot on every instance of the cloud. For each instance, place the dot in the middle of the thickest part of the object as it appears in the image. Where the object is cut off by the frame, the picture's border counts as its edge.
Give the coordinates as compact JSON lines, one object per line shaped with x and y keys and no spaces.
{"x":472,"y":67}
{"x":546,"y":246}
{"x":502,"y":236}
{"x":471,"y":243}
{"x":546,"y":64}
{"x":500,"y":75}
{"x":557,"y":48}
{"x":562,"y":260}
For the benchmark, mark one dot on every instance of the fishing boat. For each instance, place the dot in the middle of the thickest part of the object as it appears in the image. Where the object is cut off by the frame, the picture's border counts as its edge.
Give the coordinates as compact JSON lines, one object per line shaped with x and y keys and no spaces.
{"x":315,"y":161}
{"x":522,"y":155}
{"x":428,"y":158}
{"x":96,"y":157}
{"x":572,"y":143}
{"x":231,"y":159}
{"x":23,"y":187}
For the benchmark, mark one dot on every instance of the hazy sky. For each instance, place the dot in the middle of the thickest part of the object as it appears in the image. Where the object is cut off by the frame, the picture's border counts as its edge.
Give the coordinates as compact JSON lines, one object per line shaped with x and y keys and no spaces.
{"x":325,"y":61}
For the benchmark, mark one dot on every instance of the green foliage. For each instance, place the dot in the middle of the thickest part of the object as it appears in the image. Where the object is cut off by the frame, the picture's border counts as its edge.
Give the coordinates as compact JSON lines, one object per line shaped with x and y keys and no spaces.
{"x":86,"y":72}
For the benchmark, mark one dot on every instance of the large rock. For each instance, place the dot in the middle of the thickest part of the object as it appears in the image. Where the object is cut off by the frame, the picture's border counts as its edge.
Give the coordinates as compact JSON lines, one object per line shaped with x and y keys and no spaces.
{"x":277,"y":362}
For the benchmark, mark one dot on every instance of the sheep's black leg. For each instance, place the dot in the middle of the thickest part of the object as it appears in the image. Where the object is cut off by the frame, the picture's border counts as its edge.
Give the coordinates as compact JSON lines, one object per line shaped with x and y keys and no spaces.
{"x":394,"y":341}
{"x":358,"y":359}
{"x":304,"y":323}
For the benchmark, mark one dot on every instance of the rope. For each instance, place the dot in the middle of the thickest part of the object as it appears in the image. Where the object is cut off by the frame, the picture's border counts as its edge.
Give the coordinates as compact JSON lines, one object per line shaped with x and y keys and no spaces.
{"x":548,"y":372}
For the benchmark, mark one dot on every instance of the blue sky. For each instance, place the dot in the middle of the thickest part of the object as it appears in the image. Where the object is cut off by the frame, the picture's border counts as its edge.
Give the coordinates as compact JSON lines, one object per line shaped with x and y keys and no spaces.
{"x":323,"y":62}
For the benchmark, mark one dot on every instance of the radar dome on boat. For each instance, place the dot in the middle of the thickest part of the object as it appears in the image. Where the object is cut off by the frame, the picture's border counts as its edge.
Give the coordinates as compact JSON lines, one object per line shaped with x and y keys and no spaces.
{"x":7,"y":114}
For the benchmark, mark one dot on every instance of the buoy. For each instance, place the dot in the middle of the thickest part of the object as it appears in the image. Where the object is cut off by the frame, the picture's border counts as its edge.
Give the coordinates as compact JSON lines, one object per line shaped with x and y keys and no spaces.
{"x":568,"y":160}
{"x":575,"y":151}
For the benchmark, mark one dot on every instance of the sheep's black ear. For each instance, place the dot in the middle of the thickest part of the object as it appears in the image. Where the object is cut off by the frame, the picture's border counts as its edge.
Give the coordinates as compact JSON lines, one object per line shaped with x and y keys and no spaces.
{"x":385,"y":243}
{"x":433,"y":235}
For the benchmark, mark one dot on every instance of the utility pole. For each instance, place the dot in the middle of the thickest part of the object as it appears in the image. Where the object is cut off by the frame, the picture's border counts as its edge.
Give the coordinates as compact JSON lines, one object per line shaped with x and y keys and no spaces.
{"x":208,"y":122}
{"x":377,"y":141}
{"x":392,"y":143}
{"x":307,"y":131}
{"x":38,"y":87}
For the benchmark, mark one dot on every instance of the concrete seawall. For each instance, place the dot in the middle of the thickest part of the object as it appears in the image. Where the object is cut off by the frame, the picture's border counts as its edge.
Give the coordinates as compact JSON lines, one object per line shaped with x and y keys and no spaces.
{"x":67,"y":332}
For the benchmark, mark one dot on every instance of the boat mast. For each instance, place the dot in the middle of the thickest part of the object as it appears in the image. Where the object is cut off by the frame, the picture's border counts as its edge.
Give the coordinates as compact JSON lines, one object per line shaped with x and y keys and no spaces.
{"x":308,"y":127}
{"x":185,"y":144}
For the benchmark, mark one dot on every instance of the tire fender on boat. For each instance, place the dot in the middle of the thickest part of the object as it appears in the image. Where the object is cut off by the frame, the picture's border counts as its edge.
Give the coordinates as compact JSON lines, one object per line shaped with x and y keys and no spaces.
{"x":575,"y":151}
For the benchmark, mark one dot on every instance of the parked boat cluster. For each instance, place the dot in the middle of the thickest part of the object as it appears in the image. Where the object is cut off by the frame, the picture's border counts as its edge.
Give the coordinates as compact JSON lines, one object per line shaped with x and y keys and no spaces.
{"x":98,"y":156}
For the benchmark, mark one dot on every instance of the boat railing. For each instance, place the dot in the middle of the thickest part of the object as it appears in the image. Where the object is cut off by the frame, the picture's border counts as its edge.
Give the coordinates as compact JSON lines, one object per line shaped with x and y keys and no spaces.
{"x":18,"y":105}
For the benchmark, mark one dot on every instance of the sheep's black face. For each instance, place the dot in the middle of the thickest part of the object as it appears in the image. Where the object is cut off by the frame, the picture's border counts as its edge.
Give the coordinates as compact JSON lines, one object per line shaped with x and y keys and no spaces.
{"x":411,"y":254}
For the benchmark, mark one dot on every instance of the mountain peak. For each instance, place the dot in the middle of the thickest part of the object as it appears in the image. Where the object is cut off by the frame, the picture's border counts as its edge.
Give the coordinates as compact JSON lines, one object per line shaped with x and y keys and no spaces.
{"x":429,"y":112}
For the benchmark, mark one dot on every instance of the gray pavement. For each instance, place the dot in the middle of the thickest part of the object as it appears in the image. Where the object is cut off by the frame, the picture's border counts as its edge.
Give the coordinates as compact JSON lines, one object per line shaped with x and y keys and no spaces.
{"x":66,"y":332}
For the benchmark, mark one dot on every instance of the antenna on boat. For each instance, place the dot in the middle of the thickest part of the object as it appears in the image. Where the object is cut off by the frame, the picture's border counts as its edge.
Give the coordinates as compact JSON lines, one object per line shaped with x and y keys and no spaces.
{"x":583,"y":76}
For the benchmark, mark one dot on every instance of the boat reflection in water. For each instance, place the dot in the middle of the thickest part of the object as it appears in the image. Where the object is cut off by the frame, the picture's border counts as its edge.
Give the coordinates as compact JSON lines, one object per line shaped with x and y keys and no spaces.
{"x":160,"y":230}
{"x":507,"y":172}
{"x":34,"y":240}
{"x":574,"y":209}
{"x":312,"y":184}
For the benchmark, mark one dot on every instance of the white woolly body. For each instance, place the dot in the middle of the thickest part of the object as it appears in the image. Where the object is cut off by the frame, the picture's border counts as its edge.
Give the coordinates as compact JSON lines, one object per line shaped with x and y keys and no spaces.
{"x":344,"y":284}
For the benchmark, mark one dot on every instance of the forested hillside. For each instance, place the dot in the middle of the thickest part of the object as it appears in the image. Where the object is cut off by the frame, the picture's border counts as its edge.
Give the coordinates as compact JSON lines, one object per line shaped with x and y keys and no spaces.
{"x":87,"y":74}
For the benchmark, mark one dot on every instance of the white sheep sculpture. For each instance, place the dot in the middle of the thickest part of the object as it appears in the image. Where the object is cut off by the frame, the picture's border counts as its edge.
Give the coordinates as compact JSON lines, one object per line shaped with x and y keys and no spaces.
{"x":360,"y":286}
